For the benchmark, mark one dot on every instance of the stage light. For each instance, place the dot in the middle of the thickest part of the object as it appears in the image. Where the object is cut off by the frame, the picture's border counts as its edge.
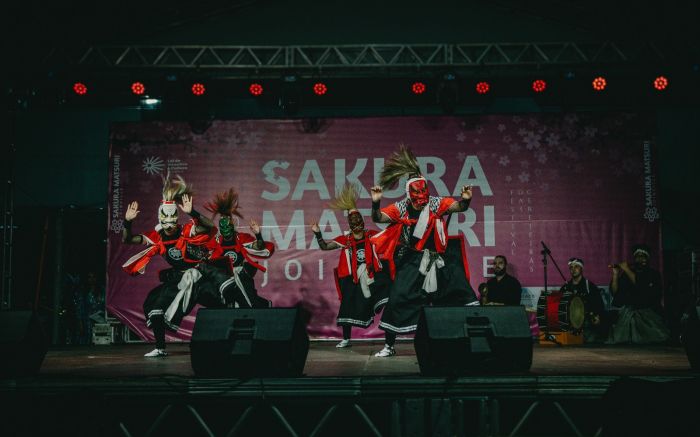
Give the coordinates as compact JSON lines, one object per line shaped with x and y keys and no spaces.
{"x":80,"y":88}
{"x":320,"y":88}
{"x":255,"y":89}
{"x":150,"y":102}
{"x":599,"y":83}
{"x":539,"y":85}
{"x":198,"y":89}
{"x":483,"y":87}
{"x":660,"y":83}
{"x":418,"y":88}
{"x":138,"y":88}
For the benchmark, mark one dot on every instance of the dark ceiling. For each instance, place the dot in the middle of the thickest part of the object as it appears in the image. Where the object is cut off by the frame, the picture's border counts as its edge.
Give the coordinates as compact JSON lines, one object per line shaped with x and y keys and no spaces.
{"x":129,"y":21}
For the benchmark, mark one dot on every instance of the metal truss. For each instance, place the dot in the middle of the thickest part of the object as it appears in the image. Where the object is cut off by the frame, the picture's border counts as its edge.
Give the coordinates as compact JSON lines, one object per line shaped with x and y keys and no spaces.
{"x":392,"y":407}
{"x":464,"y":416}
{"x":237,"y":60}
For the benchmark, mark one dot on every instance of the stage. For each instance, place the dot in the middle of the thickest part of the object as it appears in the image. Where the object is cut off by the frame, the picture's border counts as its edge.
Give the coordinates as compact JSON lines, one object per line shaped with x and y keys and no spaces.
{"x":114,"y":390}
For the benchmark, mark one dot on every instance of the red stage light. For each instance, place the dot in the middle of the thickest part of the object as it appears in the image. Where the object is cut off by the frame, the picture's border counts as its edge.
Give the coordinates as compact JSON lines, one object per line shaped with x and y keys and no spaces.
{"x":320,"y":88}
{"x":138,"y":88}
{"x":418,"y":87}
{"x":255,"y":89}
{"x":198,"y":89}
{"x":599,"y":83}
{"x":80,"y":88}
{"x":539,"y":85}
{"x":660,"y":83}
{"x":482,"y":87}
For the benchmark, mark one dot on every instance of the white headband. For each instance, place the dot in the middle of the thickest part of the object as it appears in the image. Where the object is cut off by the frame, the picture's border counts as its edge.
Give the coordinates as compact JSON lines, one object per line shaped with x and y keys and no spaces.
{"x":576,"y":262}
{"x":642,"y":251}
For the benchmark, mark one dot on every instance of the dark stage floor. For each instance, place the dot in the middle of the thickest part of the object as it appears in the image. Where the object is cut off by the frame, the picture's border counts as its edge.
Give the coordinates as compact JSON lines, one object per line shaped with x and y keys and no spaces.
{"x":326,"y":360}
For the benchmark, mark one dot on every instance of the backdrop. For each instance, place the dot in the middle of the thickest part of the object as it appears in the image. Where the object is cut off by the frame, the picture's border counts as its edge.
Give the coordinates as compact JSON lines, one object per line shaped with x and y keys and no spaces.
{"x":584,"y":184}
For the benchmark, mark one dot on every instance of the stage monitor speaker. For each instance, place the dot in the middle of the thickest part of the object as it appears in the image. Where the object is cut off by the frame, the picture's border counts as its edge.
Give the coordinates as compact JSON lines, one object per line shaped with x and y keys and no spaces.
{"x":22,"y":342}
{"x":453,"y":341}
{"x":249,"y":342}
{"x":690,"y":336}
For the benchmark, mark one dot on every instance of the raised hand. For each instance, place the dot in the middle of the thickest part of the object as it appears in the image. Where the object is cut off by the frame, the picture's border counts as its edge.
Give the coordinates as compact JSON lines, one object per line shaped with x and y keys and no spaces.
{"x":186,"y":206}
{"x":315,"y":227}
{"x":132,"y":211}
{"x":376,"y":193}
{"x":254,"y":226}
{"x":467,"y":192}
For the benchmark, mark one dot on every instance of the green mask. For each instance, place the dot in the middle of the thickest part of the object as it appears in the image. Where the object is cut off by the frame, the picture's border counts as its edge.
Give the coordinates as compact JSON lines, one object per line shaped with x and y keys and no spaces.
{"x":227,"y":228}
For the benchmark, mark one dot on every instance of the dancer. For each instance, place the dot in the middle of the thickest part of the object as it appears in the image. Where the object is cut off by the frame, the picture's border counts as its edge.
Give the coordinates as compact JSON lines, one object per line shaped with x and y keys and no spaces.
{"x":427,"y":266}
{"x":238,"y":251}
{"x":361,"y":282}
{"x":183,"y":247}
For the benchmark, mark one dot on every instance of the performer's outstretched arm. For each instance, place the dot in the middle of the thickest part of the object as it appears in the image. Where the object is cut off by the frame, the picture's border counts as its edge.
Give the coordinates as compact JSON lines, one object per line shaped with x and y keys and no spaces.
{"x":321,"y":242}
{"x":464,"y":202}
{"x":131,"y":212}
{"x":204,"y":224}
{"x":377,"y":215}
{"x":259,"y":242}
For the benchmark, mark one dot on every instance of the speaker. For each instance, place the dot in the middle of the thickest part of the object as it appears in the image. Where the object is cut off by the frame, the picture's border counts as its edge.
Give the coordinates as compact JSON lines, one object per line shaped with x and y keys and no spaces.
{"x":249,"y":342}
{"x":690,"y":336}
{"x":22,"y":342}
{"x":473,"y":339}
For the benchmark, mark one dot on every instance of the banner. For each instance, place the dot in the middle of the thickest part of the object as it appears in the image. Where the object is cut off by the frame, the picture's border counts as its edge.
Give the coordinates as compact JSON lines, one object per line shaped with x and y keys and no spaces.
{"x":584,"y":184}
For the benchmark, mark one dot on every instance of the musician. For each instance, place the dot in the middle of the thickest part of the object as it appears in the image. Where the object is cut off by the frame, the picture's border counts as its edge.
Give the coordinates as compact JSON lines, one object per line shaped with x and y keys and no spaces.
{"x":502,"y":289}
{"x":595,"y":326}
{"x":638,"y":290}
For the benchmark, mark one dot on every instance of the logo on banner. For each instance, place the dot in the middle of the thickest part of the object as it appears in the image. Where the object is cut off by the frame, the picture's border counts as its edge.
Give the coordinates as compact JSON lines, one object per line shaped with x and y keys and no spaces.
{"x":153,"y":165}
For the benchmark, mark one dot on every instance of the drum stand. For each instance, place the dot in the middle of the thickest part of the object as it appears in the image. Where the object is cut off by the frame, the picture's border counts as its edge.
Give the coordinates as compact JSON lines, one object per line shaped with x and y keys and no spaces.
{"x":546,"y":252}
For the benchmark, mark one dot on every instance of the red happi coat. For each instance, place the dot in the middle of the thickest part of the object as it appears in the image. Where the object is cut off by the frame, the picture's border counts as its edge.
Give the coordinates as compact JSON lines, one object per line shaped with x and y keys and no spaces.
{"x":242,"y":246}
{"x":387,"y":240}
{"x":157,"y":246}
{"x":348,"y":267}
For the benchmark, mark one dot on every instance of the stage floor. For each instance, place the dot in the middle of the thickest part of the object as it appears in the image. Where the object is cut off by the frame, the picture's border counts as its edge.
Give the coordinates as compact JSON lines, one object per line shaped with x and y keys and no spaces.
{"x":325,"y":360}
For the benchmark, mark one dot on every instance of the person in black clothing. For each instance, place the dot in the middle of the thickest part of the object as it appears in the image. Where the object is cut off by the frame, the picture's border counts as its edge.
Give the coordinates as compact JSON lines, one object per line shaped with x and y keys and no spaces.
{"x":183,"y":247}
{"x":595,"y":326}
{"x":240,"y":256}
{"x":426,"y":265}
{"x":502,"y":289}
{"x":638,"y":290}
{"x":361,"y":281}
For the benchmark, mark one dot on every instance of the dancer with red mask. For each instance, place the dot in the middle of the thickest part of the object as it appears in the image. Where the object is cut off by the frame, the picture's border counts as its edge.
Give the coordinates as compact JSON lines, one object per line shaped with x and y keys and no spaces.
{"x":361,"y":282}
{"x":427,"y":266}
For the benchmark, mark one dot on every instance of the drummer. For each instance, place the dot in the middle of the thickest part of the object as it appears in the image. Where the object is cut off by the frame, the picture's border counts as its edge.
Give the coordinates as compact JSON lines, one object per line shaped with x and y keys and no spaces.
{"x":595,"y":325}
{"x":502,"y":289}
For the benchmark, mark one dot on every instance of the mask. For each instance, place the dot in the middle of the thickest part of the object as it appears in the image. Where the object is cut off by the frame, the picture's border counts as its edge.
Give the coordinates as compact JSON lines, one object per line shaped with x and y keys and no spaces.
{"x":355,"y":221}
{"x":418,"y":192}
{"x":167,"y":214}
{"x":227,"y":228}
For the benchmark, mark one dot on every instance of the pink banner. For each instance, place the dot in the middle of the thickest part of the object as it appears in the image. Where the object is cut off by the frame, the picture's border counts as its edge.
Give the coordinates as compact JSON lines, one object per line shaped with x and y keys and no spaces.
{"x":582,"y":183}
